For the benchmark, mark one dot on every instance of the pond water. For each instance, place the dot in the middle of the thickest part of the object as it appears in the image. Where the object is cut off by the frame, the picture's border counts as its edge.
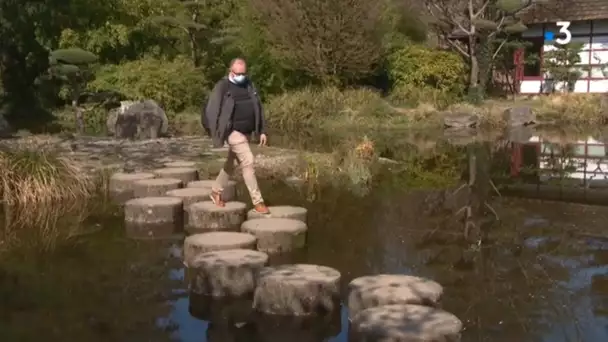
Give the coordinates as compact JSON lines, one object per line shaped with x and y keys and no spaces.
{"x":528,"y":269}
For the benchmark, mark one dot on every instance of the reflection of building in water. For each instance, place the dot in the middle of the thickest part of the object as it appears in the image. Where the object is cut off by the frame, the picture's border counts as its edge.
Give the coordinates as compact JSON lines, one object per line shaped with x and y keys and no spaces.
{"x":584,"y":160}
{"x":576,"y":171}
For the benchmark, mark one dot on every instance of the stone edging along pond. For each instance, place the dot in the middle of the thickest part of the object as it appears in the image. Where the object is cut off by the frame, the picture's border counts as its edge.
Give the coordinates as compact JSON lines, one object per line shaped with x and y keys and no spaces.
{"x":97,"y":153}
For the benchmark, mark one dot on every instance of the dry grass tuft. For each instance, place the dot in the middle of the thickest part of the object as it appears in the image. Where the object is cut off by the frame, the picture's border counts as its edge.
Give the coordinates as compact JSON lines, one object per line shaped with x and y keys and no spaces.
{"x":315,"y":107}
{"x":39,"y":189}
{"x":576,"y":109}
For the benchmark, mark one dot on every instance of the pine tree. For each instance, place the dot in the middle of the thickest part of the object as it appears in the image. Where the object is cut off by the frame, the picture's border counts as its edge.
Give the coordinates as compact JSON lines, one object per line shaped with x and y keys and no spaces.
{"x":71,"y":67}
{"x":483,"y":28}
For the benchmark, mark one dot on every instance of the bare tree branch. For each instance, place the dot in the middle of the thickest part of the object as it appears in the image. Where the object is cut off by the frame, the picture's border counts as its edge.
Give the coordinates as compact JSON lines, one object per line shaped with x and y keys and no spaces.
{"x":325,"y":38}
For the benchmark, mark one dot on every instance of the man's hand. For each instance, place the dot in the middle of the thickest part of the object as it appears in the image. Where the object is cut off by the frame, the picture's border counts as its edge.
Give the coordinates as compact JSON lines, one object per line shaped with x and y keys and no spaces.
{"x":263,"y":139}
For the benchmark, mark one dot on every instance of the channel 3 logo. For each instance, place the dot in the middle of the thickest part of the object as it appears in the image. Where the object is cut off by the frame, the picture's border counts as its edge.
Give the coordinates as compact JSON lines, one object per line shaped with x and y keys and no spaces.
{"x":564,"y":29}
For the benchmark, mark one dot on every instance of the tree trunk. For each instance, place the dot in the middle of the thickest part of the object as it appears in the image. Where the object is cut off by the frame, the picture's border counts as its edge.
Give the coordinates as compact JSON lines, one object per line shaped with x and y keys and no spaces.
{"x":193,"y":49}
{"x":77,"y":114}
{"x":193,"y":44}
{"x":474,"y":70}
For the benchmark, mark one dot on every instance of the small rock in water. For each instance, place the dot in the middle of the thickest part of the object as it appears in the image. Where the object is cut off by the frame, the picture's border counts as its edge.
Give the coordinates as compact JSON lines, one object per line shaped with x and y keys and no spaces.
{"x":460,"y":120}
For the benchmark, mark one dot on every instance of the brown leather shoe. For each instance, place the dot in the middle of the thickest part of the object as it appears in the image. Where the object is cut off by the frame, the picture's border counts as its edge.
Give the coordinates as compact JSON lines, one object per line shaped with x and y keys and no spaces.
{"x":216,"y":198}
{"x":261,"y":208}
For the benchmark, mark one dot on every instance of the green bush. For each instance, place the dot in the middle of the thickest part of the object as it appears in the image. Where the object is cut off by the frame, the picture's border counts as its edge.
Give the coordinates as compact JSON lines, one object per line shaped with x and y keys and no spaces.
{"x":412,"y":96}
{"x":313,"y":106}
{"x":174,"y":84}
{"x":417,"y":66}
{"x":94,"y":120}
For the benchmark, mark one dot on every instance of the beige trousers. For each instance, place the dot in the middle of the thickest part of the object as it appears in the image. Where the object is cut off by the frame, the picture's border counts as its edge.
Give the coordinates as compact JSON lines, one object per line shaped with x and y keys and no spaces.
{"x":240,"y":151}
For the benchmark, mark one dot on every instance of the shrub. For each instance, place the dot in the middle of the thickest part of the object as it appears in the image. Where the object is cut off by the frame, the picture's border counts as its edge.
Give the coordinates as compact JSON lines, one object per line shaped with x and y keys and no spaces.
{"x":421,"y":67}
{"x":94,"y":120}
{"x":414,"y":96}
{"x":332,"y":41}
{"x":312,"y":106}
{"x":174,"y":84}
{"x":576,"y":109}
{"x":38,"y":189}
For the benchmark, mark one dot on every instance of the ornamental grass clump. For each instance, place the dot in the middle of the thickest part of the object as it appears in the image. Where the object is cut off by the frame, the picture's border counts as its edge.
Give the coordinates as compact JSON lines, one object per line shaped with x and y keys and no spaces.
{"x":39,"y":189}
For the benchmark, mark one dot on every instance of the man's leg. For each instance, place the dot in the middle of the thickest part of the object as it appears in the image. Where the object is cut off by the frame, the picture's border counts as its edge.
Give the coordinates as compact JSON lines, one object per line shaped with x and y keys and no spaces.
{"x":240,"y":145}
{"x":221,"y":181}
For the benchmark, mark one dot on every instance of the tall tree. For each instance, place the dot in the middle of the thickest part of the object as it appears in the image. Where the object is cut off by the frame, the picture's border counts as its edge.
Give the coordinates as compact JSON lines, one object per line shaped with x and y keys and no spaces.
{"x":70,"y":66}
{"x":331,"y":40}
{"x":478,"y":30}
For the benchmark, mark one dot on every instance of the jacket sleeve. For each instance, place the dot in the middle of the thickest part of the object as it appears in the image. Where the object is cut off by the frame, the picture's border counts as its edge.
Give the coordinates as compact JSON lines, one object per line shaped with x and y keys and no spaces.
{"x":213,"y":108}
{"x":262,"y":123}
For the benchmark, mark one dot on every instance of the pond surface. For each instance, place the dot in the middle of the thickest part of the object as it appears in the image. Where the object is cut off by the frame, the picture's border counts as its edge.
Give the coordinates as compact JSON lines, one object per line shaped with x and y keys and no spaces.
{"x":527,"y":270}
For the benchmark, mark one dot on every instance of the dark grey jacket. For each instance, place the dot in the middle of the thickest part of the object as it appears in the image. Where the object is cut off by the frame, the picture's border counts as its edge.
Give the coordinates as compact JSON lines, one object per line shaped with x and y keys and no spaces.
{"x":217,"y":115}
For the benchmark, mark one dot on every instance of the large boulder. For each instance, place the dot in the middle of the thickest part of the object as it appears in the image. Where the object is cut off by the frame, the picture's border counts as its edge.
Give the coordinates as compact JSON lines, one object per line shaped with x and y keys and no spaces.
{"x":519,"y":116}
{"x":137,"y":120}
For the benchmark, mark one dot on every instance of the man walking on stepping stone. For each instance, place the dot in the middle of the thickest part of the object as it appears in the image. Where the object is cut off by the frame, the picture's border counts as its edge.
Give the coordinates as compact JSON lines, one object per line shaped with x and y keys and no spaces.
{"x":233,"y":113}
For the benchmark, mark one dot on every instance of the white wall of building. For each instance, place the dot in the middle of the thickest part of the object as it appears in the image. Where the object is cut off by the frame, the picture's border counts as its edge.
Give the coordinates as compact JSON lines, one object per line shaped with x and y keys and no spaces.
{"x":594,"y":36}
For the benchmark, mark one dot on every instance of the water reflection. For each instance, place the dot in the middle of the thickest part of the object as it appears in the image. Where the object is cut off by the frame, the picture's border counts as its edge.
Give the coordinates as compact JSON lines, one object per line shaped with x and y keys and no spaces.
{"x":514,"y":269}
{"x":549,"y":166}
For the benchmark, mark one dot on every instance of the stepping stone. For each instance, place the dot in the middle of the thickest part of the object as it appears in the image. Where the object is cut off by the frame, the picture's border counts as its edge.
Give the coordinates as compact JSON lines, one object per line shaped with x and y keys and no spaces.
{"x":185,"y":174}
{"x":122,"y":184}
{"x":190,"y":196}
{"x":156,"y":187}
{"x":405,"y":323}
{"x":280,"y":211}
{"x":274,"y":328}
{"x":146,"y":231}
{"x":277,"y":235}
{"x":215,"y":241}
{"x":297,"y":290}
{"x":180,"y":164}
{"x":206,"y":216}
{"x":153,"y":210}
{"x":229,"y":193}
{"x":384,"y":289}
{"x":227,"y":273}
{"x":220,"y":309}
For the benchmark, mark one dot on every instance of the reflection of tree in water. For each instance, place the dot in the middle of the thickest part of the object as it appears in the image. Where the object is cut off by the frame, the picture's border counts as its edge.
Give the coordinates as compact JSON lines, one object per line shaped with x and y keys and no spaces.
{"x":500,"y":287}
{"x":507,"y":288}
{"x":102,"y":287}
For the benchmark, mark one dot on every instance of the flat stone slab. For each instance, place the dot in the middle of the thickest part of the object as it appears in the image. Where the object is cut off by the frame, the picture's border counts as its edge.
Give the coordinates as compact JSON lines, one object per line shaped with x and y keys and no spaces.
{"x":297,"y":290}
{"x":190,"y":195}
{"x":154,"y":231}
{"x":124,"y":182}
{"x":274,"y":328}
{"x":229,"y":193}
{"x":180,"y":164}
{"x":185,"y":174}
{"x":405,"y":323}
{"x":154,"y":210}
{"x":276,"y":235}
{"x":281,"y":211}
{"x":156,"y":187}
{"x":384,"y":289}
{"x":207,"y":216}
{"x":215,"y":241}
{"x":232,"y":272}
{"x":222,"y":310}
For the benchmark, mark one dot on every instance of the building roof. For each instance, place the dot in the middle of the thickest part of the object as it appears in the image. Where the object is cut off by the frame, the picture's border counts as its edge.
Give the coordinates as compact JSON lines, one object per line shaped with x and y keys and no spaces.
{"x":548,"y":11}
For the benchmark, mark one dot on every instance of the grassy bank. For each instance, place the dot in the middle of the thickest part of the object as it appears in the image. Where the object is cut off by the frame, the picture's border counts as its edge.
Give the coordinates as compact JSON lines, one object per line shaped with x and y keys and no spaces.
{"x":330,"y":109}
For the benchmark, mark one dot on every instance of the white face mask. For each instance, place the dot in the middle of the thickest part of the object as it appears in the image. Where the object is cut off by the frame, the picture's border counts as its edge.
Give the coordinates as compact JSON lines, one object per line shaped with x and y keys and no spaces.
{"x":239,"y":78}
